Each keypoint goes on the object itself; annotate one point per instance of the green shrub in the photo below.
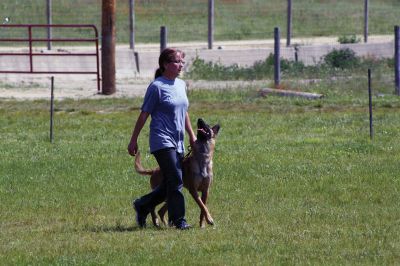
(342, 58)
(259, 70)
(349, 39)
(342, 62)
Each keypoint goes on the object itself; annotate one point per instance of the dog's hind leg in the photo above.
(161, 213)
(203, 207)
(154, 218)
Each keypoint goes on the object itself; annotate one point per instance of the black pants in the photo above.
(170, 162)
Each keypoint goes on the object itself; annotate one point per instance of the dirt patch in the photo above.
(78, 87)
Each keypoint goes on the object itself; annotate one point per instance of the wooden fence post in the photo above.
(163, 38)
(289, 23)
(132, 24)
(49, 22)
(210, 23)
(366, 11)
(277, 52)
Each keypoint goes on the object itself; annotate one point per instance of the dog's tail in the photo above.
(139, 168)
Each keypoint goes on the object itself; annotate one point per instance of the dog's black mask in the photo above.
(204, 132)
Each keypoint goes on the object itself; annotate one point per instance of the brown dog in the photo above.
(197, 172)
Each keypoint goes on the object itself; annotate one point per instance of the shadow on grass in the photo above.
(117, 228)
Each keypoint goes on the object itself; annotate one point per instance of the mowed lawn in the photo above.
(296, 182)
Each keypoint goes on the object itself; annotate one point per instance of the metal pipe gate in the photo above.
(31, 54)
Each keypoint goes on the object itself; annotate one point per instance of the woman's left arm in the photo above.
(189, 130)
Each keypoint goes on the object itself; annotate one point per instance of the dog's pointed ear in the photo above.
(201, 123)
(215, 129)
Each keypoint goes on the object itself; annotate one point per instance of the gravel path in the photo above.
(33, 88)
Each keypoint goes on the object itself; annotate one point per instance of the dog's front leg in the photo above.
(161, 213)
(203, 208)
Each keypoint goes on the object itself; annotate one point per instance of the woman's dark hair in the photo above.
(166, 56)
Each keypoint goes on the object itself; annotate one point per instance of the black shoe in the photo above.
(183, 226)
(140, 215)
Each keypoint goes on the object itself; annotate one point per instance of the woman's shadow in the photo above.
(118, 228)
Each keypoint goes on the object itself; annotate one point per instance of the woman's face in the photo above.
(174, 67)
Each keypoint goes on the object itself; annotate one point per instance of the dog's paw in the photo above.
(210, 220)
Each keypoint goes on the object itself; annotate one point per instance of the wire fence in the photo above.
(234, 19)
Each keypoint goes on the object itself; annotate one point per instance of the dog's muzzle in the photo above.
(204, 132)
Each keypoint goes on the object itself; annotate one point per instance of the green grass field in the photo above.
(234, 19)
(296, 182)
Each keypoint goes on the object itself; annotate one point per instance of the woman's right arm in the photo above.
(133, 146)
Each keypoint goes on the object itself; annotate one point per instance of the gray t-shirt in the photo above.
(167, 103)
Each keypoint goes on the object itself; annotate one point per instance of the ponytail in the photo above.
(158, 73)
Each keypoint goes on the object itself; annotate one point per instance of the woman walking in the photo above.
(167, 104)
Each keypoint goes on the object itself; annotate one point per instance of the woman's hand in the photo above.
(189, 130)
(192, 140)
(132, 147)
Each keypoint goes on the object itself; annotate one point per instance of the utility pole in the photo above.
(108, 46)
